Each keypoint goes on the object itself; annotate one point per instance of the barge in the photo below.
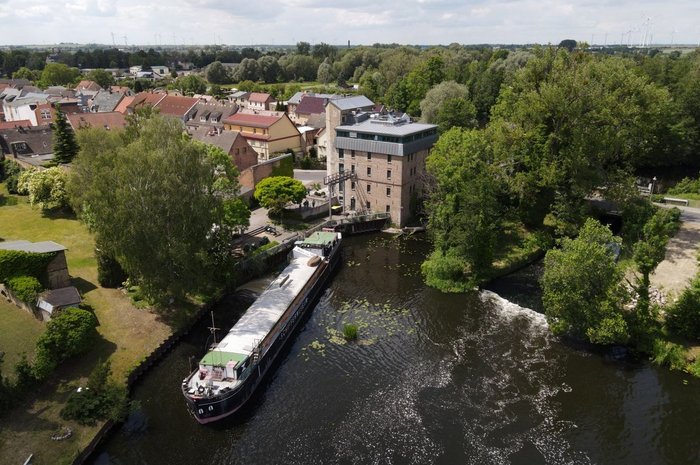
(229, 373)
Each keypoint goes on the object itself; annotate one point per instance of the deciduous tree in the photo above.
(277, 191)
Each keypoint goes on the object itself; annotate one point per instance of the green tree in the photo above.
(247, 70)
(64, 145)
(269, 68)
(58, 74)
(67, 334)
(190, 84)
(47, 188)
(277, 191)
(581, 287)
(324, 74)
(103, 78)
(25, 73)
(447, 104)
(464, 210)
(303, 48)
(155, 214)
(217, 73)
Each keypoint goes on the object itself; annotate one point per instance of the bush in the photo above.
(26, 288)
(686, 186)
(683, 317)
(69, 333)
(109, 271)
(350, 332)
(669, 354)
(102, 399)
(9, 172)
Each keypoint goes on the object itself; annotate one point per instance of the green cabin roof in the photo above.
(221, 358)
(321, 238)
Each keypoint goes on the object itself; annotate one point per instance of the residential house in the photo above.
(176, 106)
(134, 70)
(309, 107)
(22, 107)
(296, 99)
(260, 101)
(211, 114)
(387, 153)
(106, 120)
(161, 70)
(231, 142)
(88, 85)
(240, 98)
(268, 133)
(105, 101)
(140, 100)
(30, 145)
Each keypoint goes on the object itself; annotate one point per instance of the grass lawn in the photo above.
(127, 334)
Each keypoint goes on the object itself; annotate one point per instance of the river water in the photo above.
(433, 379)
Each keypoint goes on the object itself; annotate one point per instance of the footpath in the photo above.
(680, 265)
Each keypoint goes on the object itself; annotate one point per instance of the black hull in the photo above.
(210, 409)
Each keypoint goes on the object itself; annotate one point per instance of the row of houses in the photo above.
(385, 152)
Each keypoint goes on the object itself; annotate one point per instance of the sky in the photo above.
(278, 22)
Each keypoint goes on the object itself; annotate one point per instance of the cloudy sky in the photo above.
(336, 22)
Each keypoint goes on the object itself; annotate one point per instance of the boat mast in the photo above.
(213, 330)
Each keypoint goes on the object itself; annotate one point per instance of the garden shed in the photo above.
(57, 299)
(56, 270)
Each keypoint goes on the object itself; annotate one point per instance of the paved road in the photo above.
(680, 264)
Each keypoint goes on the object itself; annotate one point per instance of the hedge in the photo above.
(15, 263)
(26, 288)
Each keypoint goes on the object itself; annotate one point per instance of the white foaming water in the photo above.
(510, 310)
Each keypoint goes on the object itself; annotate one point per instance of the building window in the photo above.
(352, 185)
(341, 153)
(369, 155)
(388, 158)
(388, 208)
(352, 153)
(368, 205)
(369, 188)
(238, 151)
(341, 167)
(255, 131)
(45, 114)
(352, 168)
(369, 171)
(388, 174)
(245, 149)
(388, 191)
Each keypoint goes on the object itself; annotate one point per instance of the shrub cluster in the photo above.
(109, 272)
(102, 399)
(9, 172)
(683, 317)
(26, 288)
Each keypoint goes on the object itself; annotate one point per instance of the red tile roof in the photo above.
(87, 84)
(108, 120)
(172, 105)
(259, 97)
(123, 106)
(145, 98)
(248, 119)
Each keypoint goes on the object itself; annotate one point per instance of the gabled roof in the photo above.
(106, 101)
(222, 110)
(63, 297)
(123, 106)
(312, 105)
(35, 140)
(223, 140)
(352, 103)
(240, 94)
(299, 96)
(145, 98)
(260, 97)
(173, 105)
(87, 84)
(107, 120)
(253, 120)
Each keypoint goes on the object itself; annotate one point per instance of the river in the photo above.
(433, 379)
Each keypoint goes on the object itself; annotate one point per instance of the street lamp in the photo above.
(653, 184)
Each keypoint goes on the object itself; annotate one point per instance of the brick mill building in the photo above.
(387, 152)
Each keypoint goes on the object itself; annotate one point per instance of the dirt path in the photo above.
(680, 264)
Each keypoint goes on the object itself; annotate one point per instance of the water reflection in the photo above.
(435, 378)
